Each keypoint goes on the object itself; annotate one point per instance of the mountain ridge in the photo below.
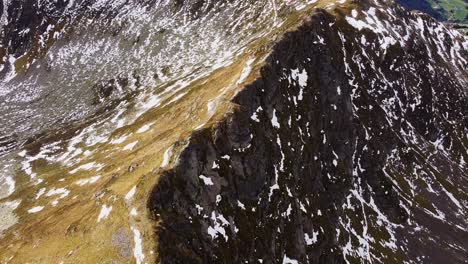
(208, 227)
(227, 156)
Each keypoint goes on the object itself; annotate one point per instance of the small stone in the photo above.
(132, 167)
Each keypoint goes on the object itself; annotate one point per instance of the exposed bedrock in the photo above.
(314, 157)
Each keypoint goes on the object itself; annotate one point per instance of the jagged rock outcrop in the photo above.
(236, 131)
(348, 147)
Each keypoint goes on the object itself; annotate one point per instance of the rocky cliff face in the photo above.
(237, 131)
(349, 147)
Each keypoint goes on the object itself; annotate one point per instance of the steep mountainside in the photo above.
(351, 145)
(231, 132)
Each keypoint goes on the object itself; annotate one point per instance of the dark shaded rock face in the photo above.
(27, 20)
(349, 147)
(271, 177)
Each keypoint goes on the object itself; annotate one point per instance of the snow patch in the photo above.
(130, 194)
(287, 260)
(87, 166)
(138, 249)
(144, 128)
(166, 157)
(119, 140)
(88, 180)
(245, 72)
(35, 209)
(311, 240)
(60, 191)
(131, 145)
(274, 120)
(105, 211)
(206, 180)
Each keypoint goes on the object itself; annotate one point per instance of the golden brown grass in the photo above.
(69, 232)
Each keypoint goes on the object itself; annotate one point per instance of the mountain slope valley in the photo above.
(239, 131)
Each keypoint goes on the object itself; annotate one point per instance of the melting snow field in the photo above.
(138, 249)
(7, 216)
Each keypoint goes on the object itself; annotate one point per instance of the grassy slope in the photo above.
(69, 231)
(453, 10)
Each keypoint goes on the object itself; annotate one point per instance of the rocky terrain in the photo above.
(272, 131)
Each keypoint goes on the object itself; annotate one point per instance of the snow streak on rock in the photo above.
(349, 147)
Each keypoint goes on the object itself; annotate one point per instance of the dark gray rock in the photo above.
(333, 167)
